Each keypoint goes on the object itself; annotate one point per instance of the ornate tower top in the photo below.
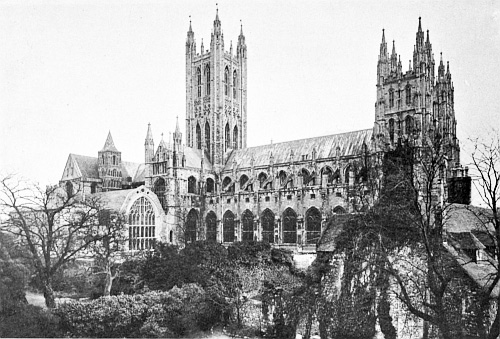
(109, 145)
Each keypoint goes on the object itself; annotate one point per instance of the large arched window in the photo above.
(211, 224)
(228, 227)
(190, 227)
(159, 189)
(192, 185)
(228, 136)
(235, 84)
(391, 130)
(247, 226)
(313, 225)
(326, 171)
(226, 81)
(289, 226)
(306, 177)
(207, 80)
(210, 185)
(198, 81)
(282, 177)
(267, 222)
(207, 137)
(235, 137)
(141, 225)
(198, 136)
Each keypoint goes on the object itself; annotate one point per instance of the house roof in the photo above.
(88, 165)
(467, 240)
(348, 144)
(194, 156)
(465, 218)
(114, 199)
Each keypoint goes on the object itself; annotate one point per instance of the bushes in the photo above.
(177, 312)
(28, 321)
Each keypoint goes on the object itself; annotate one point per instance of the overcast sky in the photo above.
(73, 70)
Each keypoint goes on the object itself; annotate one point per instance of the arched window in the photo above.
(207, 80)
(226, 81)
(247, 226)
(282, 177)
(306, 177)
(102, 158)
(408, 94)
(198, 136)
(190, 227)
(313, 225)
(227, 185)
(391, 130)
(159, 189)
(198, 81)
(207, 137)
(228, 137)
(289, 226)
(267, 222)
(243, 181)
(93, 188)
(141, 221)
(391, 98)
(347, 175)
(262, 179)
(69, 188)
(228, 227)
(235, 84)
(192, 185)
(211, 224)
(210, 185)
(339, 210)
(235, 137)
(409, 125)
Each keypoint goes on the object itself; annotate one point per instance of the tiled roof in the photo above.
(466, 240)
(348, 144)
(465, 218)
(87, 165)
(114, 199)
(193, 158)
(334, 227)
(109, 145)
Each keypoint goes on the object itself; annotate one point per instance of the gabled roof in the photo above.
(194, 156)
(114, 200)
(88, 166)
(348, 144)
(465, 218)
(467, 241)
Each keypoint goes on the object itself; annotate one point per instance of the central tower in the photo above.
(216, 95)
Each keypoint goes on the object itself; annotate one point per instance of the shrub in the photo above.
(177, 312)
(29, 321)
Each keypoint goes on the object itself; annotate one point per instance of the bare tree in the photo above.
(52, 223)
(486, 172)
(108, 246)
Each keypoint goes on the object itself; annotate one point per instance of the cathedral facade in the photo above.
(211, 186)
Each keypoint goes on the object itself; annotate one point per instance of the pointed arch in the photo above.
(198, 136)
(228, 227)
(262, 179)
(207, 137)
(191, 226)
(227, 136)
(391, 130)
(69, 188)
(211, 225)
(226, 81)
(247, 226)
(409, 125)
(141, 225)
(347, 176)
(339, 210)
(282, 177)
(159, 189)
(228, 185)
(267, 222)
(289, 226)
(313, 225)
(207, 79)
(235, 84)
(198, 81)
(210, 185)
(235, 137)
(307, 179)
(192, 185)
(243, 181)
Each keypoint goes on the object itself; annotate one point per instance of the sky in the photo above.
(70, 71)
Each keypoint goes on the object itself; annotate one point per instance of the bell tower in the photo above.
(216, 95)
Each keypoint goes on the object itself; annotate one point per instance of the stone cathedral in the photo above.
(208, 185)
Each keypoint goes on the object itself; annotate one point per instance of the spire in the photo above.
(428, 40)
(162, 143)
(190, 37)
(441, 67)
(241, 28)
(217, 12)
(383, 47)
(217, 28)
(190, 28)
(393, 48)
(420, 24)
(177, 130)
(149, 134)
(109, 145)
(383, 35)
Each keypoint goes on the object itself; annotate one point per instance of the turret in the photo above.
(177, 137)
(149, 146)
(109, 165)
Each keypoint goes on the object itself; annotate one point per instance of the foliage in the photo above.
(29, 321)
(177, 312)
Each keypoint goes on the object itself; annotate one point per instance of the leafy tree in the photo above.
(52, 224)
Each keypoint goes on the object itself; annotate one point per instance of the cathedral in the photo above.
(208, 185)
